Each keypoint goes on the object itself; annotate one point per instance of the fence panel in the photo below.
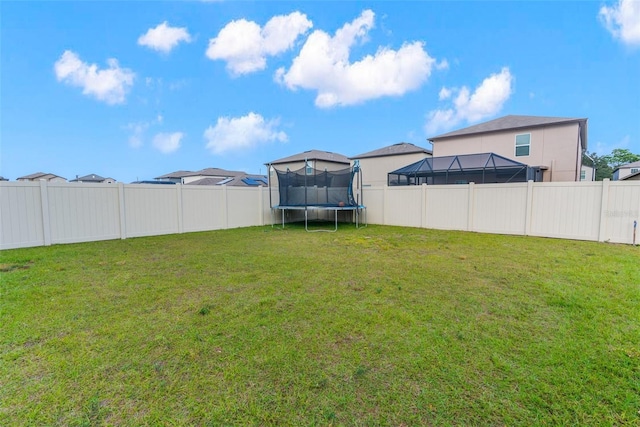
(21, 223)
(203, 208)
(622, 208)
(83, 213)
(151, 209)
(569, 210)
(499, 208)
(447, 207)
(403, 206)
(243, 207)
(373, 199)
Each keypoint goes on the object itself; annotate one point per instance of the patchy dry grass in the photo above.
(377, 326)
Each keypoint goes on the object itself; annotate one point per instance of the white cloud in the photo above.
(136, 139)
(245, 46)
(323, 65)
(623, 20)
(445, 93)
(442, 65)
(109, 85)
(138, 129)
(486, 101)
(167, 142)
(238, 133)
(164, 38)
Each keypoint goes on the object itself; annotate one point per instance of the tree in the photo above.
(605, 164)
(621, 156)
(600, 163)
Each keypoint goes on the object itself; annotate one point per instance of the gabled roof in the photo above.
(40, 175)
(90, 178)
(326, 156)
(242, 180)
(393, 150)
(176, 174)
(202, 172)
(631, 177)
(629, 165)
(513, 122)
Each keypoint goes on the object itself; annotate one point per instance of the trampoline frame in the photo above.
(335, 209)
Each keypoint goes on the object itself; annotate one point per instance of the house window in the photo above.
(635, 170)
(309, 167)
(583, 175)
(523, 143)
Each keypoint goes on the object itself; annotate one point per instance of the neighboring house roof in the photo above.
(40, 175)
(91, 178)
(393, 150)
(243, 180)
(629, 165)
(176, 174)
(632, 177)
(2, 178)
(154, 182)
(203, 172)
(515, 122)
(326, 156)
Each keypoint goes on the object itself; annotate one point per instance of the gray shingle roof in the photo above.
(202, 172)
(39, 175)
(511, 122)
(242, 180)
(393, 150)
(326, 156)
(630, 165)
(89, 178)
(630, 177)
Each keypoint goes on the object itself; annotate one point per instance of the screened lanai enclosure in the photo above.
(317, 194)
(481, 168)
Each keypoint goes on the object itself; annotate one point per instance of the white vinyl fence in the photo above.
(599, 211)
(42, 213)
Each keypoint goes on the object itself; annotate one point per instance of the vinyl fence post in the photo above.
(470, 207)
(123, 215)
(46, 219)
(261, 205)
(604, 204)
(179, 201)
(529, 209)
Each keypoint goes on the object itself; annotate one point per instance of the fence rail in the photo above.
(42, 213)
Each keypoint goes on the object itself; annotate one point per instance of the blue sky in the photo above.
(134, 90)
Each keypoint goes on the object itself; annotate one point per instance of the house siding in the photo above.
(375, 169)
(557, 147)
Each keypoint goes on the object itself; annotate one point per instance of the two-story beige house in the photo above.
(552, 146)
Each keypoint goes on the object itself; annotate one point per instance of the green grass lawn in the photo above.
(377, 326)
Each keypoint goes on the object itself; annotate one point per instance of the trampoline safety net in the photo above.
(314, 187)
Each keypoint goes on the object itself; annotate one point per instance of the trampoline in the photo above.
(309, 189)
